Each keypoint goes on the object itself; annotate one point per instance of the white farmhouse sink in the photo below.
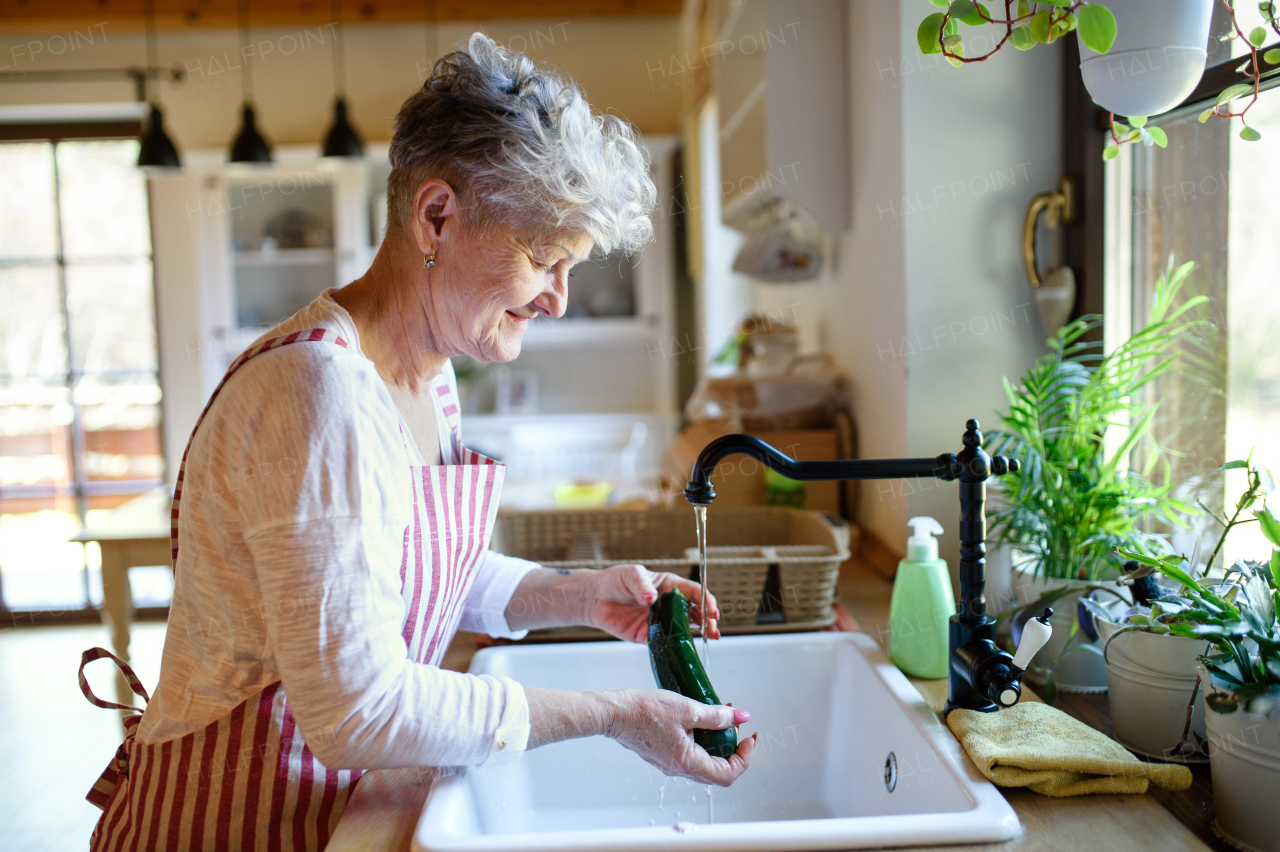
(831, 711)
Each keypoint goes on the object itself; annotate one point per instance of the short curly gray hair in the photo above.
(520, 145)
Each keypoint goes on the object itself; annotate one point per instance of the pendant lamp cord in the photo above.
(428, 18)
(246, 75)
(153, 62)
(339, 59)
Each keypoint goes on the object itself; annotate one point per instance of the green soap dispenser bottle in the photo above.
(922, 605)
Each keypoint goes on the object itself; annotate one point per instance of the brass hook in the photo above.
(1059, 206)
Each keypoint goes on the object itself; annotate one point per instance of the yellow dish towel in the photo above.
(1033, 745)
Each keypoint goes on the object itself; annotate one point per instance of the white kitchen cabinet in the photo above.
(780, 86)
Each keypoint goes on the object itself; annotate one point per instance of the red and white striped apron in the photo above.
(248, 781)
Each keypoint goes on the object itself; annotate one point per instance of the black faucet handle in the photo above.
(1000, 465)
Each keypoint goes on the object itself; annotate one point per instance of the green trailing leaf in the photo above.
(1097, 27)
(950, 42)
(1272, 56)
(958, 50)
(1257, 36)
(1111, 152)
(1040, 25)
(1231, 93)
(1275, 567)
(961, 8)
(1024, 9)
(1119, 128)
(927, 36)
(1235, 465)
(1021, 39)
(1204, 116)
(1055, 2)
(941, 4)
(1250, 134)
(1159, 136)
(1138, 120)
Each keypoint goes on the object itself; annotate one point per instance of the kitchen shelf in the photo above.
(284, 257)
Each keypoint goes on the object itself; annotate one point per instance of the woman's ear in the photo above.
(435, 212)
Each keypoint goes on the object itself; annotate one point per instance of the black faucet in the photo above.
(983, 677)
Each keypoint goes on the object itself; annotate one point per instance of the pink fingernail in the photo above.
(740, 716)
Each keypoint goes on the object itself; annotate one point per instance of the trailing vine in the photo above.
(1027, 24)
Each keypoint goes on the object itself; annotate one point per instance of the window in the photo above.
(1207, 198)
(79, 389)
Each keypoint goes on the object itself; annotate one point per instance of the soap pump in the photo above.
(922, 605)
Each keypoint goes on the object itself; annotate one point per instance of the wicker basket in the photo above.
(742, 544)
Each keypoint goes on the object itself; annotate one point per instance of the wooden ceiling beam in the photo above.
(17, 16)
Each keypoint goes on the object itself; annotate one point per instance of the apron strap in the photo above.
(314, 335)
(136, 685)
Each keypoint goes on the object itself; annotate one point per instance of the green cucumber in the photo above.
(676, 665)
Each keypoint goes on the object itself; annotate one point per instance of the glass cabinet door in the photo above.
(282, 238)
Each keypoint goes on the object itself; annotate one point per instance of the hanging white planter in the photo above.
(1244, 757)
(1157, 59)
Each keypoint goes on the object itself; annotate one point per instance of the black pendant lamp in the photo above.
(156, 149)
(249, 145)
(342, 140)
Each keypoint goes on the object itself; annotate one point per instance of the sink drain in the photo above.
(890, 772)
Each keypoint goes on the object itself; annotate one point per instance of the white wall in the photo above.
(930, 307)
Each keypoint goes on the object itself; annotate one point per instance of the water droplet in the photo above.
(684, 827)
(693, 799)
(650, 822)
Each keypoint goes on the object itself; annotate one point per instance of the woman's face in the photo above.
(487, 286)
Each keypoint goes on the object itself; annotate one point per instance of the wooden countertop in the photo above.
(385, 807)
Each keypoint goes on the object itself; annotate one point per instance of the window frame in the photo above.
(81, 488)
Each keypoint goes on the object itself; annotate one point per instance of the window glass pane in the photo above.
(35, 439)
(112, 310)
(104, 200)
(603, 287)
(26, 201)
(42, 569)
(121, 429)
(1180, 211)
(1253, 397)
(32, 333)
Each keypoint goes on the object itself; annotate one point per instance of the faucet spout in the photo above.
(979, 669)
(700, 491)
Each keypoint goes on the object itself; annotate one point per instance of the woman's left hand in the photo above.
(619, 597)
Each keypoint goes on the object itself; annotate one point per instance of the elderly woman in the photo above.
(331, 530)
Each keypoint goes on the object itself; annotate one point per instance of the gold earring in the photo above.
(429, 261)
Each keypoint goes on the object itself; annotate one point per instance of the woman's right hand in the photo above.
(658, 725)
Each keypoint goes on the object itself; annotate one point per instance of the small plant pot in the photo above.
(1150, 679)
(1077, 671)
(1244, 757)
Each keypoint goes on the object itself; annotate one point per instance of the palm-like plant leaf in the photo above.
(1073, 501)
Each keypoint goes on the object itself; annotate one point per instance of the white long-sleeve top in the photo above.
(292, 525)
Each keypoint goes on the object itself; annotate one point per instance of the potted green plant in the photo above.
(1236, 614)
(1151, 664)
(1075, 501)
